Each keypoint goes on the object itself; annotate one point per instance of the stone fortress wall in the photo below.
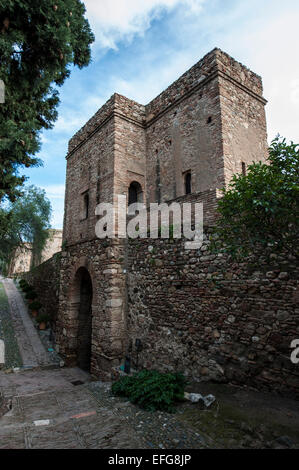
(211, 318)
(209, 122)
(193, 311)
(23, 260)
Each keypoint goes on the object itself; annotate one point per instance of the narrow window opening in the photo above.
(86, 205)
(188, 187)
(209, 120)
(244, 169)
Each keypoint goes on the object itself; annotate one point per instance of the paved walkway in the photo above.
(32, 351)
(51, 411)
(47, 408)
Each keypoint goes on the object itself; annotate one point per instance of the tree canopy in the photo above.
(261, 208)
(39, 42)
(26, 221)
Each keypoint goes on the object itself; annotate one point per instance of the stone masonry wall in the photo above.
(90, 170)
(45, 279)
(211, 318)
(24, 259)
(195, 312)
(103, 260)
(182, 139)
(244, 128)
(209, 122)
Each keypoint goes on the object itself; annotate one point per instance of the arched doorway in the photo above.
(84, 311)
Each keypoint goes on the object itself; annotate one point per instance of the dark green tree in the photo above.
(261, 209)
(39, 42)
(27, 222)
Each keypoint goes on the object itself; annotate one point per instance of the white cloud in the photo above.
(294, 85)
(271, 53)
(57, 218)
(115, 20)
(69, 122)
(260, 34)
(144, 86)
(54, 191)
(265, 42)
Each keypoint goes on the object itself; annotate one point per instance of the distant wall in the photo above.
(45, 279)
(53, 245)
(23, 259)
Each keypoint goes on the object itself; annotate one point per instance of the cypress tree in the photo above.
(39, 42)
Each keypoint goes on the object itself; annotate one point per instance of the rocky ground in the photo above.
(62, 408)
(239, 418)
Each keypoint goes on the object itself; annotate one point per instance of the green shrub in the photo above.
(152, 390)
(23, 283)
(35, 305)
(31, 295)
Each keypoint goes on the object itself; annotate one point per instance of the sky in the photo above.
(142, 46)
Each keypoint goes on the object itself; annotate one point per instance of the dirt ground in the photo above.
(244, 418)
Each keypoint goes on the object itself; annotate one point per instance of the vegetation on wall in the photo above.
(261, 209)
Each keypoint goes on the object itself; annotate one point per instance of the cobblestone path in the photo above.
(52, 410)
(43, 407)
(32, 351)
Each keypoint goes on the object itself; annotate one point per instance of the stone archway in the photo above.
(91, 320)
(82, 293)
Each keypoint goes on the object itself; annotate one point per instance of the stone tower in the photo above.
(184, 145)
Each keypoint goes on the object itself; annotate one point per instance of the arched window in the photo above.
(188, 188)
(135, 193)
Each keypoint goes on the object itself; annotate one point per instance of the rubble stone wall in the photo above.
(45, 279)
(103, 260)
(194, 311)
(213, 319)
